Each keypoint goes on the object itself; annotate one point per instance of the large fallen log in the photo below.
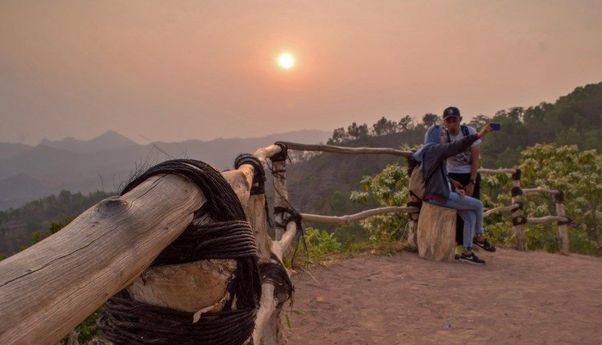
(49, 288)
(104, 250)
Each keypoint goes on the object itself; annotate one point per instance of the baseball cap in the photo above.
(451, 112)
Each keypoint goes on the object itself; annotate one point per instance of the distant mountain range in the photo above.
(107, 161)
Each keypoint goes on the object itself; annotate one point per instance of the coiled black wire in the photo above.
(127, 321)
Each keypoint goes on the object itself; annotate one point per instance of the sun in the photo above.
(286, 60)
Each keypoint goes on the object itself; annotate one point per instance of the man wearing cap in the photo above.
(463, 169)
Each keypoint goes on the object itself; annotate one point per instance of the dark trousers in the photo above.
(464, 179)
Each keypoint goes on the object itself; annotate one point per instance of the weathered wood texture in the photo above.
(499, 210)
(545, 219)
(283, 247)
(49, 288)
(190, 287)
(436, 233)
(346, 219)
(268, 324)
(540, 190)
(485, 171)
(563, 229)
(280, 196)
(518, 213)
(194, 286)
(257, 217)
(413, 217)
(347, 150)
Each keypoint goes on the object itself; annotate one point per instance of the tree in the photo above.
(387, 188)
(479, 121)
(430, 119)
(357, 132)
(576, 173)
(338, 136)
(384, 126)
(406, 123)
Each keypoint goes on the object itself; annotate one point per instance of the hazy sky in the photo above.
(176, 70)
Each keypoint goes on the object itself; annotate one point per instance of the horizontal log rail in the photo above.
(346, 150)
(315, 218)
(547, 219)
(499, 210)
(485, 171)
(540, 190)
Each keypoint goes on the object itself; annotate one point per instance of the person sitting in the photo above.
(438, 189)
(463, 168)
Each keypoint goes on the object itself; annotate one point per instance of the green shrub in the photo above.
(320, 243)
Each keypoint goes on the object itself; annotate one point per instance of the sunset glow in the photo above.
(286, 61)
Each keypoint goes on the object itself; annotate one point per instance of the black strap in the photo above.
(127, 321)
(275, 272)
(463, 129)
(258, 186)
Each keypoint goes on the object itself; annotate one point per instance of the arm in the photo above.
(475, 153)
(451, 149)
(444, 151)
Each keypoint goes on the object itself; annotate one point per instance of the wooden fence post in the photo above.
(280, 193)
(268, 326)
(518, 215)
(413, 201)
(563, 233)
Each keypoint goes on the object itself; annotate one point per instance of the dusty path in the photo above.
(518, 298)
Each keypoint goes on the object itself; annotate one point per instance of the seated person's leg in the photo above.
(468, 231)
(479, 238)
(463, 179)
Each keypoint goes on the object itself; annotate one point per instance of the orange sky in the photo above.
(177, 70)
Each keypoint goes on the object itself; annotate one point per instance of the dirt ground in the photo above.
(517, 298)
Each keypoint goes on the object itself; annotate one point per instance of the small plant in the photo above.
(387, 188)
(319, 243)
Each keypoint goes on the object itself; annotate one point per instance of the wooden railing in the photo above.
(49, 288)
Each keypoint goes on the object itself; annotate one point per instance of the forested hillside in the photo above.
(17, 226)
(323, 183)
(574, 119)
(103, 163)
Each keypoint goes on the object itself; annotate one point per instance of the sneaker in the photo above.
(471, 258)
(485, 245)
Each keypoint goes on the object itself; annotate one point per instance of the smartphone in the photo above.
(495, 126)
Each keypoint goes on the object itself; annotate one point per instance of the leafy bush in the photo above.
(320, 243)
(387, 188)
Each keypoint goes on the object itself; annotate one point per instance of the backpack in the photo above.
(465, 133)
(464, 130)
(417, 185)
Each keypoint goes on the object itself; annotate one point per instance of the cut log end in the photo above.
(436, 238)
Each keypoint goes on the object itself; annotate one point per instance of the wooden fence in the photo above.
(51, 287)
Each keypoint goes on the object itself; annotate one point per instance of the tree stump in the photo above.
(436, 233)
